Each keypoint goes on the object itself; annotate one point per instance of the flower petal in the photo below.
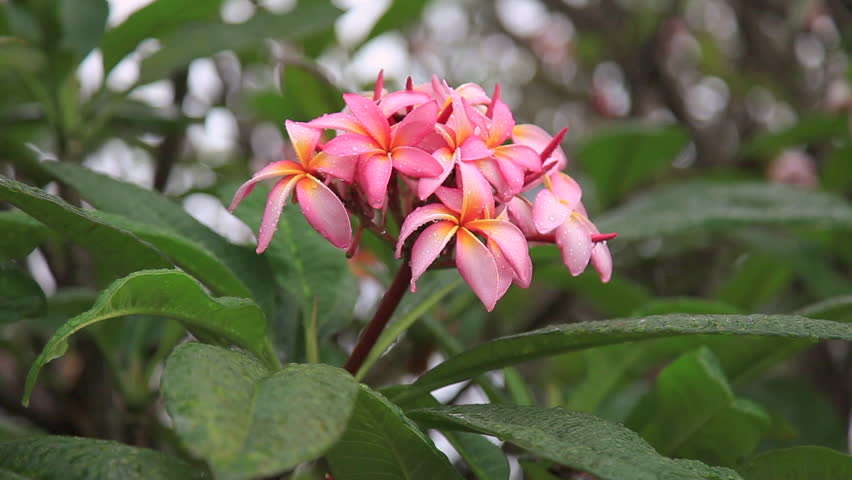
(473, 93)
(602, 261)
(339, 121)
(274, 204)
(489, 169)
(535, 137)
(474, 148)
(428, 246)
(478, 201)
(374, 172)
(504, 270)
(351, 144)
(451, 197)
(324, 211)
(548, 211)
(477, 268)
(415, 126)
(396, 101)
(338, 167)
(283, 168)
(512, 174)
(427, 186)
(521, 214)
(520, 154)
(373, 120)
(415, 162)
(304, 139)
(565, 188)
(575, 243)
(427, 213)
(512, 245)
(502, 123)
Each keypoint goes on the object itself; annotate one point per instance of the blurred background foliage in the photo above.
(701, 130)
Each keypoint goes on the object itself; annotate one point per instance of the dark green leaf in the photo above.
(381, 442)
(83, 23)
(705, 206)
(202, 39)
(250, 422)
(71, 458)
(756, 281)
(815, 128)
(579, 440)
(693, 413)
(20, 234)
(20, 296)
(624, 157)
(170, 294)
(399, 14)
(124, 252)
(311, 95)
(800, 463)
(513, 349)
(145, 206)
(187, 254)
(837, 170)
(155, 20)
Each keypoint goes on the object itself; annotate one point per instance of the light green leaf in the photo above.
(399, 14)
(799, 463)
(171, 294)
(579, 440)
(20, 234)
(145, 206)
(122, 251)
(693, 413)
(380, 442)
(757, 280)
(83, 23)
(155, 20)
(624, 157)
(20, 296)
(513, 349)
(703, 206)
(249, 422)
(203, 39)
(814, 128)
(72, 458)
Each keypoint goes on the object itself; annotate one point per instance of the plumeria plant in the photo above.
(437, 162)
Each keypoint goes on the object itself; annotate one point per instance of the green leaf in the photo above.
(20, 296)
(203, 39)
(171, 294)
(381, 442)
(579, 440)
(20, 234)
(702, 206)
(310, 94)
(513, 349)
(249, 422)
(155, 20)
(799, 463)
(626, 156)
(83, 23)
(145, 206)
(399, 14)
(187, 254)
(757, 280)
(72, 458)
(122, 251)
(693, 413)
(815, 128)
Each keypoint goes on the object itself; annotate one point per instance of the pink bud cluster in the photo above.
(450, 167)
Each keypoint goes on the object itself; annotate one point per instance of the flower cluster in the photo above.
(439, 163)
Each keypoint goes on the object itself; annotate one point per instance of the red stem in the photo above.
(381, 318)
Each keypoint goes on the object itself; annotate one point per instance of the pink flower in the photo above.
(380, 147)
(321, 207)
(557, 208)
(488, 268)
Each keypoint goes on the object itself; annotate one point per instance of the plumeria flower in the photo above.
(381, 147)
(557, 208)
(321, 207)
(551, 154)
(489, 268)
